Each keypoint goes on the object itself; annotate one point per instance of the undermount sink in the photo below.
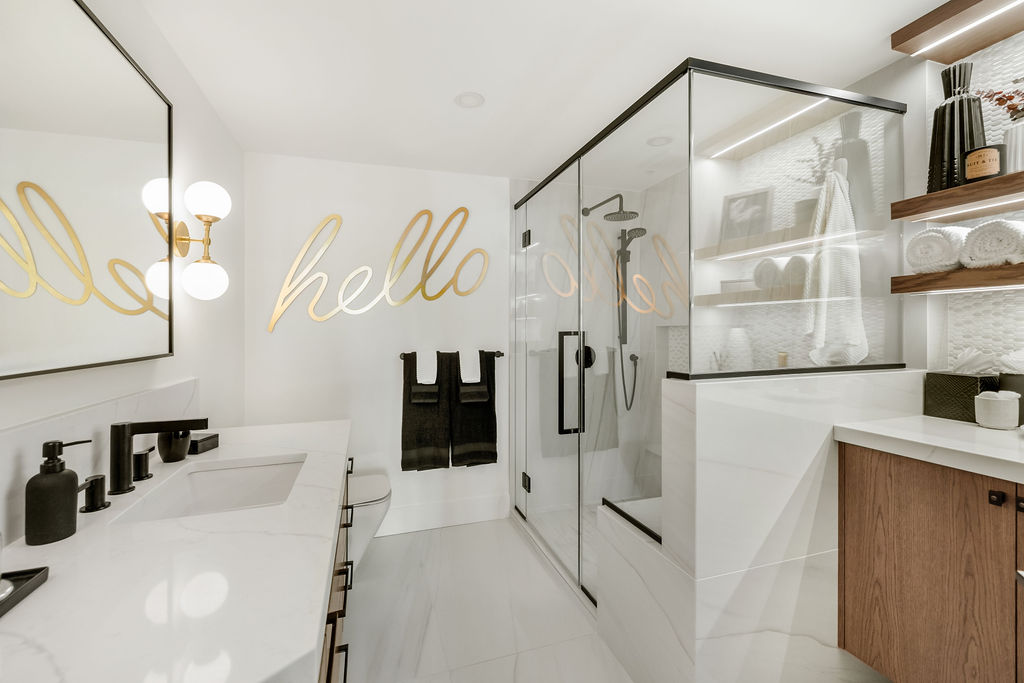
(205, 488)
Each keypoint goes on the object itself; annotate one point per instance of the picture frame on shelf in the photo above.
(746, 214)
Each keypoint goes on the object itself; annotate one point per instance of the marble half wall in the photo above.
(749, 558)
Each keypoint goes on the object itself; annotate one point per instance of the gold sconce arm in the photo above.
(183, 239)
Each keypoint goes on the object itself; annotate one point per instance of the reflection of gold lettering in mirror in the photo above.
(77, 266)
(601, 256)
(298, 280)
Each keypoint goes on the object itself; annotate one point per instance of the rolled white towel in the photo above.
(993, 244)
(936, 249)
(795, 272)
(768, 272)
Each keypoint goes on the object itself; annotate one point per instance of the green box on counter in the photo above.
(950, 395)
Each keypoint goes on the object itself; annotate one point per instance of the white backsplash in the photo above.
(21, 446)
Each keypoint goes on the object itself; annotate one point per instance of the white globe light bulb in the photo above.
(204, 280)
(207, 199)
(158, 278)
(156, 196)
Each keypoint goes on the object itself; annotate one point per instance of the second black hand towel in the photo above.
(426, 416)
(474, 423)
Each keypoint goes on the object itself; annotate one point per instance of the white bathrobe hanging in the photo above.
(835, 323)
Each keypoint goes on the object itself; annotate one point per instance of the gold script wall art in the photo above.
(78, 265)
(300, 276)
(599, 269)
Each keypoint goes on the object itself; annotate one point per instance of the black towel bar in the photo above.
(497, 354)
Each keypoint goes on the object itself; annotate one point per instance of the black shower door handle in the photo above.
(581, 383)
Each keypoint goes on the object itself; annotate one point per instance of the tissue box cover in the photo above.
(1009, 381)
(951, 395)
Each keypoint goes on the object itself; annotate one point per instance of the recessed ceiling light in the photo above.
(469, 99)
(659, 141)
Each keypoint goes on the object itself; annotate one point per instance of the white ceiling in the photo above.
(374, 81)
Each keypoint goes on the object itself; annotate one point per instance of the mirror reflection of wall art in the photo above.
(746, 214)
(82, 129)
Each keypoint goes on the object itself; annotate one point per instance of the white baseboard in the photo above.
(442, 513)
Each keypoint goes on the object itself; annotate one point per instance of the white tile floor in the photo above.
(469, 604)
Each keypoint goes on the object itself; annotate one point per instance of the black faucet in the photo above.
(121, 434)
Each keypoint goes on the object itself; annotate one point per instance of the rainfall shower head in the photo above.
(616, 216)
(621, 215)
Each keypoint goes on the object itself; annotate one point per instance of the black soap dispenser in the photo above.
(51, 498)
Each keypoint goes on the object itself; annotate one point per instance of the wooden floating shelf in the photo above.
(766, 244)
(955, 15)
(977, 200)
(965, 278)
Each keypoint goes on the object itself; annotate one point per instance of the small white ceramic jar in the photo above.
(997, 409)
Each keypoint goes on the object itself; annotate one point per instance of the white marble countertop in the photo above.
(237, 596)
(961, 445)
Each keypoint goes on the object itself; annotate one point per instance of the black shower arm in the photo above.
(586, 211)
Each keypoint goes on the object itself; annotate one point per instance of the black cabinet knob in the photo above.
(996, 498)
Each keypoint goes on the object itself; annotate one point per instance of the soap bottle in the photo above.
(51, 498)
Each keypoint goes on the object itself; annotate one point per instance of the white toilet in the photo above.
(370, 497)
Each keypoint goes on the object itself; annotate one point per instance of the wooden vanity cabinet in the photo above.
(927, 570)
(334, 657)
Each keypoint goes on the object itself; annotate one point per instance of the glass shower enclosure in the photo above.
(730, 223)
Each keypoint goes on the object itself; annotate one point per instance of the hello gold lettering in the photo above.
(300, 277)
(78, 266)
(600, 257)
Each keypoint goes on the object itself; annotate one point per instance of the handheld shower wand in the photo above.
(621, 278)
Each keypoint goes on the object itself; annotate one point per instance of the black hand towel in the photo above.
(426, 416)
(474, 424)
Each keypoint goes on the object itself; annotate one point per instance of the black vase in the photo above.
(957, 128)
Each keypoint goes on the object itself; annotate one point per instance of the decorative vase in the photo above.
(957, 127)
(1013, 138)
(739, 354)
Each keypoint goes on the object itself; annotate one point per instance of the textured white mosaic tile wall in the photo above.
(992, 322)
(994, 69)
(784, 166)
(778, 328)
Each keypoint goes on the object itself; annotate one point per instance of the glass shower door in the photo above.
(548, 341)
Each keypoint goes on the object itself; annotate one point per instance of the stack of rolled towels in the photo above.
(993, 243)
(782, 271)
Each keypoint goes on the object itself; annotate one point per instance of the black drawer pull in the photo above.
(348, 571)
(996, 498)
(349, 510)
(351, 464)
(343, 649)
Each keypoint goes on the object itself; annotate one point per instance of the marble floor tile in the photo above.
(582, 660)
(467, 603)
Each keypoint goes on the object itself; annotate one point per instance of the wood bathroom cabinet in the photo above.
(928, 557)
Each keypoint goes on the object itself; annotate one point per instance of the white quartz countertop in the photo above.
(238, 596)
(952, 443)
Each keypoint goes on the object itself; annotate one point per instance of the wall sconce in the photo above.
(204, 279)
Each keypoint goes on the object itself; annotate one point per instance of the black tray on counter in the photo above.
(25, 581)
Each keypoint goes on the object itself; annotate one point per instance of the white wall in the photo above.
(348, 366)
(208, 335)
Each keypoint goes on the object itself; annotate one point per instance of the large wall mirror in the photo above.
(82, 130)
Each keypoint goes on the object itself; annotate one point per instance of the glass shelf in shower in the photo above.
(777, 243)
